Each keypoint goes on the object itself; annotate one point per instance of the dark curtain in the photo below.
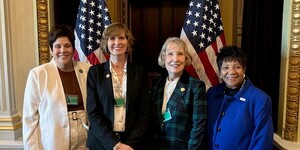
(261, 40)
(65, 12)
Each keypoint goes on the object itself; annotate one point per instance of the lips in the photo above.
(63, 56)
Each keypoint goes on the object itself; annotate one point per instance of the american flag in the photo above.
(92, 18)
(203, 33)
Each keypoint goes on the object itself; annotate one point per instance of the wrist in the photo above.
(116, 147)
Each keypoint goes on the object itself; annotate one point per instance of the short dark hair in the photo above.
(61, 31)
(231, 53)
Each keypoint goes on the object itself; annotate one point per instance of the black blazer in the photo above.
(100, 107)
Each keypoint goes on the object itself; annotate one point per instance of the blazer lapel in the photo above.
(160, 87)
(178, 92)
(130, 79)
(108, 81)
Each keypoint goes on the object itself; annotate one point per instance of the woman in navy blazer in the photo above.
(117, 103)
(179, 110)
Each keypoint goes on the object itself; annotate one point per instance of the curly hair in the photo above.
(231, 53)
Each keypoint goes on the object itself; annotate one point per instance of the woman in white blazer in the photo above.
(54, 115)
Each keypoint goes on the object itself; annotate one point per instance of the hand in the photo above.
(121, 146)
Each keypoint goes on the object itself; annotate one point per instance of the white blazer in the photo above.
(45, 114)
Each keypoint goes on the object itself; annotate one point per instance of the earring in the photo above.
(221, 77)
(244, 75)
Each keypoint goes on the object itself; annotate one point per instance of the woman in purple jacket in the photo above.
(239, 114)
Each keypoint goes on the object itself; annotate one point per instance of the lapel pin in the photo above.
(242, 99)
(182, 89)
(107, 75)
(80, 70)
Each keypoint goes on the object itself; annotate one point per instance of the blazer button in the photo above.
(219, 129)
(216, 146)
(223, 114)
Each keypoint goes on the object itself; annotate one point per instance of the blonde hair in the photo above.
(179, 42)
(115, 29)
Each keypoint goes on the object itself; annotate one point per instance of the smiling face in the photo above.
(62, 52)
(117, 45)
(175, 60)
(232, 73)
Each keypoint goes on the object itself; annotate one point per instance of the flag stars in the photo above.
(91, 17)
(197, 14)
(82, 18)
(90, 38)
(198, 5)
(90, 47)
(203, 26)
(215, 15)
(92, 12)
(98, 24)
(210, 29)
(217, 7)
(92, 4)
(195, 24)
(202, 36)
(83, 9)
(100, 7)
(189, 13)
(209, 39)
(201, 45)
(221, 28)
(99, 15)
(106, 9)
(191, 4)
(206, 8)
(82, 36)
(215, 24)
(91, 29)
(194, 33)
(83, 27)
(188, 22)
(106, 18)
(91, 21)
(98, 41)
(98, 32)
(204, 17)
(211, 21)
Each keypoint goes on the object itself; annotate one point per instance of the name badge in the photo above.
(72, 100)
(120, 102)
(167, 115)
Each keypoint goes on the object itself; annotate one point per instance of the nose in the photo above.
(231, 70)
(117, 41)
(62, 49)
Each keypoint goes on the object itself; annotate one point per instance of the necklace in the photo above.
(116, 74)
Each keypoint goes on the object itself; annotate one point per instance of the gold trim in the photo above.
(42, 24)
(293, 82)
(12, 119)
(121, 11)
(13, 127)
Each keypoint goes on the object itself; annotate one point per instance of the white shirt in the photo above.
(119, 88)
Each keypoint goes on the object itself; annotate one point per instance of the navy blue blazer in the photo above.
(188, 107)
(100, 107)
